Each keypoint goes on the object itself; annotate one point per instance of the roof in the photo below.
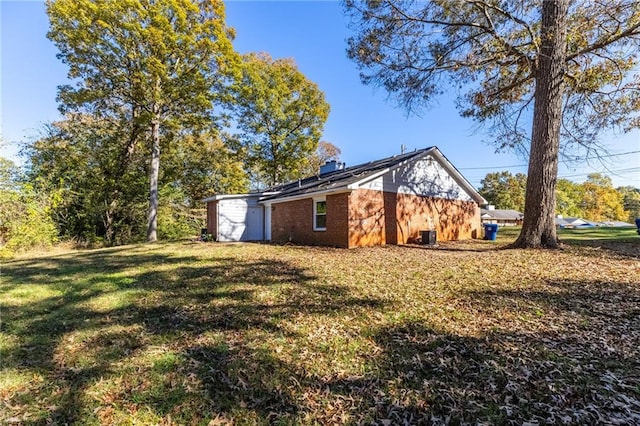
(501, 214)
(349, 178)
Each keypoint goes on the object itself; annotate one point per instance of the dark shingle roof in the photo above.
(339, 178)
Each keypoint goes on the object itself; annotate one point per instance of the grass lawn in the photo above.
(190, 333)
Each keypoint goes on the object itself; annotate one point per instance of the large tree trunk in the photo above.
(538, 228)
(152, 219)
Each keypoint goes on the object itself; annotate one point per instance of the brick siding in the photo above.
(367, 219)
(293, 221)
(451, 219)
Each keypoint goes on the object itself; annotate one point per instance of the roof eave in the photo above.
(338, 190)
(219, 197)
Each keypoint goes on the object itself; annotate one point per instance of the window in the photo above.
(319, 215)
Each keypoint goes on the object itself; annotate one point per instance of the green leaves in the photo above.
(504, 190)
(281, 114)
(490, 52)
(154, 63)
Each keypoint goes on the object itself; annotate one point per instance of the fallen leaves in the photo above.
(464, 333)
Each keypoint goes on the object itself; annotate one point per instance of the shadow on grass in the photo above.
(580, 367)
(73, 343)
(575, 365)
(572, 359)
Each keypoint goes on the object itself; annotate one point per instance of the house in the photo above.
(501, 217)
(389, 201)
(573, 222)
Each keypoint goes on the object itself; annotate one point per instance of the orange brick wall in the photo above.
(451, 219)
(212, 223)
(367, 218)
(293, 221)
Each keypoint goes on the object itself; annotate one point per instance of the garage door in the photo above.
(240, 220)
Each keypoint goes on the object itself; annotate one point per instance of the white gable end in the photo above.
(423, 177)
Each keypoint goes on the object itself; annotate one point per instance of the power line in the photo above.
(525, 165)
(616, 171)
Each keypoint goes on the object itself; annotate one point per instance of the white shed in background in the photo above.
(235, 218)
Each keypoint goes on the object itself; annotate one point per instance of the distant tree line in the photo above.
(595, 199)
(161, 112)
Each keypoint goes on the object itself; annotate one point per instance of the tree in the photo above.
(504, 190)
(152, 62)
(202, 164)
(601, 202)
(86, 165)
(281, 115)
(24, 218)
(564, 67)
(569, 198)
(326, 151)
(84, 162)
(9, 174)
(631, 202)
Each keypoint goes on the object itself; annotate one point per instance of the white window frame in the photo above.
(315, 213)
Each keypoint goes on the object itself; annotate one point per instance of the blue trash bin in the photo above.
(490, 231)
(638, 224)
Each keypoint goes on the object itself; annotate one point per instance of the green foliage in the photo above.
(504, 190)
(595, 199)
(154, 64)
(569, 198)
(281, 114)
(631, 202)
(203, 164)
(24, 214)
(98, 178)
(176, 220)
(9, 174)
(161, 58)
(601, 202)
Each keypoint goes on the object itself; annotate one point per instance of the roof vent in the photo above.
(331, 166)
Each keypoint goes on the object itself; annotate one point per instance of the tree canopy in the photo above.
(538, 71)
(504, 190)
(153, 63)
(595, 199)
(281, 115)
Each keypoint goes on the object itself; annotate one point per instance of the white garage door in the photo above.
(240, 220)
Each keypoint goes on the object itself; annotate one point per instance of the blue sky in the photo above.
(363, 123)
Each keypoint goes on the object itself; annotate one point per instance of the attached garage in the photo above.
(235, 218)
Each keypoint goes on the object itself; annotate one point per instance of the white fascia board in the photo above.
(226, 197)
(315, 194)
(236, 196)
